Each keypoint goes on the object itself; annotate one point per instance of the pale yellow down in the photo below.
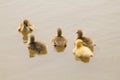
(81, 51)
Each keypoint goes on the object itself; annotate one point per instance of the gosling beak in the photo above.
(94, 44)
(91, 55)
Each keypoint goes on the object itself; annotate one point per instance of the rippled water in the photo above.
(98, 19)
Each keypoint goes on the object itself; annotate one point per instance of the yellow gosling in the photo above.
(25, 27)
(86, 40)
(81, 51)
(36, 47)
(59, 40)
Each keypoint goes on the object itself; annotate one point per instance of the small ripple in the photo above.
(5, 3)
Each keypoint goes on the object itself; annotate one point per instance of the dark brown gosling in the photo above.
(86, 40)
(37, 47)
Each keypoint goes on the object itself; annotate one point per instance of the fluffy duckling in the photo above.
(59, 40)
(81, 51)
(25, 27)
(36, 47)
(87, 41)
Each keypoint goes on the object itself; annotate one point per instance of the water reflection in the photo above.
(36, 47)
(83, 59)
(32, 53)
(24, 37)
(60, 49)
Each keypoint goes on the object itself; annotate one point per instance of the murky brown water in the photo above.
(98, 19)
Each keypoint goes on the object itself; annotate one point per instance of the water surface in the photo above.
(98, 20)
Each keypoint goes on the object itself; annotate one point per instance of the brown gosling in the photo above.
(36, 46)
(59, 40)
(86, 40)
(81, 51)
(25, 27)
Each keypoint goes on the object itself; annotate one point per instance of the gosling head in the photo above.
(80, 33)
(78, 43)
(59, 32)
(32, 39)
(26, 22)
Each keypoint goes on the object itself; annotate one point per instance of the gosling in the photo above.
(86, 40)
(25, 27)
(81, 51)
(59, 40)
(36, 46)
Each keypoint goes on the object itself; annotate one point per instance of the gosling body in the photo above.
(25, 27)
(59, 40)
(81, 51)
(86, 40)
(38, 47)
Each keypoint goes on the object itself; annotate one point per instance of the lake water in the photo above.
(99, 19)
